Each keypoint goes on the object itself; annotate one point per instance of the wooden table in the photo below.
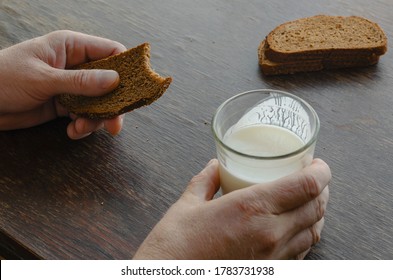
(99, 197)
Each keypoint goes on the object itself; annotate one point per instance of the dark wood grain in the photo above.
(99, 197)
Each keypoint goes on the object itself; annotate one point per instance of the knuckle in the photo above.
(320, 208)
(54, 34)
(315, 234)
(311, 186)
(196, 181)
(251, 205)
(56, 37)
(198, 178)
(270, 242)
(80, 79)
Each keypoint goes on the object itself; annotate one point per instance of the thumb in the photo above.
(86, 82)
(204, 185)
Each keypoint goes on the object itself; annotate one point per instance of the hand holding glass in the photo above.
(263, 135)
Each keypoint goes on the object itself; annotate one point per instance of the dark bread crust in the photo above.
(290, 67)
(321, 42)
(323, 36)
(139, 86)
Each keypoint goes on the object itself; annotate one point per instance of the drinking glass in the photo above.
(263, 135)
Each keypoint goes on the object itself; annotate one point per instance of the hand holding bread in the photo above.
(139, 85)
(96, 79)
(35, 72)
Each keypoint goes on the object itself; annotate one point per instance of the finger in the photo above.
(82, 48)
(80, 128)
(89, 48)
(305, 216)
(297, 189)
(304, 240)
(114, 126)
(204, 185)
(302, 255)
(84, 82)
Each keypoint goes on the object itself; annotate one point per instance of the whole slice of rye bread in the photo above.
(290, 67)
(139, 86)
(321, 36)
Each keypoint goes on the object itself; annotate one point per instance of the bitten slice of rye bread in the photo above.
(139, 86)
(290, 67)
(321, 36)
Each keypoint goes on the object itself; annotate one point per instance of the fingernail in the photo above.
(106, 78)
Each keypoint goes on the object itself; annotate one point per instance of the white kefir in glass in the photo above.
(261, 141)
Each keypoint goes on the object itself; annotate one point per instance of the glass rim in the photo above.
(308, 144)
